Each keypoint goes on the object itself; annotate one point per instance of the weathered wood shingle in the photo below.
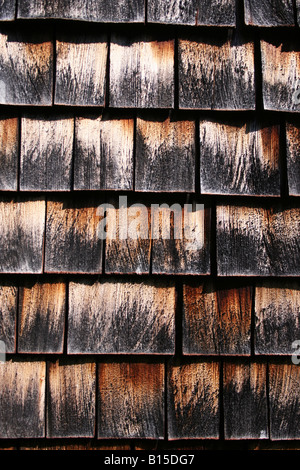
(293, 157)
(269, 12)
(8, 315)
(9, 153)
(7, 10)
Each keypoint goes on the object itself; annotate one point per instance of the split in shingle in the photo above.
(26, 68)
(8, 315)
(103, 154)
(165, 155)
(9, 153)
(239, 159)
(131, 400)
(269, 12)
(41, 322)
(22, 398)
(259, 241)
(81, 70)
(71, 404)
(46, 153)
(245, 401)
(8, 10)
(141, 72)
(280, 75)
(216, 319)
(22, 226)
(216, 73)
(193, 400)
(107, 317)
(293, 157)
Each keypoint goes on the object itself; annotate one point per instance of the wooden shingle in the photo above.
(22, 399)
(103, 157)
(269, 12)
(8, 315)
(216, 319)
(165, 156)
(26, 68)
(216, 73)
(8, 10)
(193, 400)
(81, 70)
(240, 159)
(245, 401)
(22, 226)
(46, 153)
(71, 407)
(121, 317)
(140, 411)
(9, 153)
(293, 157)
(141, 72)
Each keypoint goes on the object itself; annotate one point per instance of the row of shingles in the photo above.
(196, 12)
(259, 400)
(118, 316)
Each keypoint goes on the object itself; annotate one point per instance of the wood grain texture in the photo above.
(269, 12)
(165, 156)
(22, 225)
(7, 10)
(216, 73)
(192, 12)
(9, 153)
(131, 400)
(72, 242)
(26, 68)
(103, 156)
(293, 157)
(284, 384)
(121, 317)
(298, 11)
(71, 406)
(216, 319)
(128, 240)
(240, 159)
(141, 72)
(280, 74)
(81, 70)
(46, 153)
(245, 401)
(270, 234)
(22, 398)
(115, 11)
(193, 400)
(180, 239)
(41, 317)
(277, 313)
(8, 315)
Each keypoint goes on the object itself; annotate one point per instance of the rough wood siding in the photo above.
(216, 74)
(216, 319)
(103, 154)
(269, 12)
(8, 315)
(141, 385)
(241, 159)
(270, 234)
(193, 400)
(26, 68)
(277, 315)
(22, 399)
(46, 153)
(22, 224)
(42, 308)
(141, 72)
(121, 317)
(181, 239)
(284, 384)
(194, 13)
(293, 157)
(71, 399)
(7, 10)
(9, 153)
(115, 11)
(72, 242)
(245, 401)
(165, 156)
(81, 70)
(280, 75)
